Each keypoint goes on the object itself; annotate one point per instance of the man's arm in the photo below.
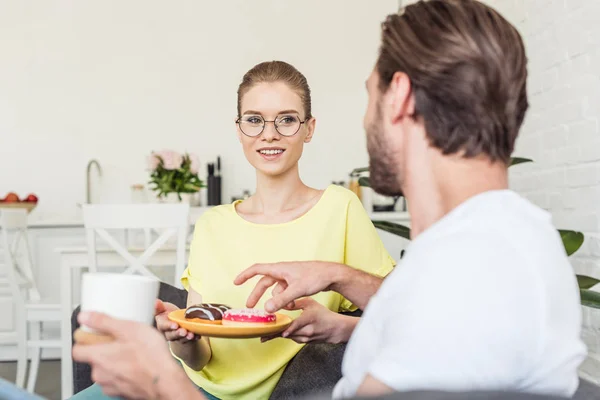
(294, 280)
(355, 285)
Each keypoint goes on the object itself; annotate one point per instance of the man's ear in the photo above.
(310, 127)
(399, 97)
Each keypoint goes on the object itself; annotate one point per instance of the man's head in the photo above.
(451, 77)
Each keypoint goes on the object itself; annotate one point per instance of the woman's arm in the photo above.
(318, 324)
(195, 353)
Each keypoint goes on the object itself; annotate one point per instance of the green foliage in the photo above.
(179, 180)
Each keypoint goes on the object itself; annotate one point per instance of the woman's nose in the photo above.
(270, 133)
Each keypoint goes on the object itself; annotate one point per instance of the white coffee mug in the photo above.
(128, 297)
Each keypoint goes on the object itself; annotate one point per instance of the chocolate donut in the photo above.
(206, 311)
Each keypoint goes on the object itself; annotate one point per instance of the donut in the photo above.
(209, 313)
(248, 317)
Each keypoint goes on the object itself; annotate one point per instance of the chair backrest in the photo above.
(171, 219)
(16, 252)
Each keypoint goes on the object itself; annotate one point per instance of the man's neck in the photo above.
(433, 193)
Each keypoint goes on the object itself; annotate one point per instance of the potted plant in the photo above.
(174, 176)
(571, 240)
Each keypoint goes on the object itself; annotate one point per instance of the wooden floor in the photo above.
(48, 382)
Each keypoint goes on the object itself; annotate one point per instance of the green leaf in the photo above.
(519, 160)
(589, 298)
(571, 240)
(359, 170)
(393, 228)
(364, 181)
(586, 282)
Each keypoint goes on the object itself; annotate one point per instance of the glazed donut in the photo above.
(209, 313)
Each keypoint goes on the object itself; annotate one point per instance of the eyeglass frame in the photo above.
(238, 122)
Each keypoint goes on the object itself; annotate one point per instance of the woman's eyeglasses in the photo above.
(254, 125)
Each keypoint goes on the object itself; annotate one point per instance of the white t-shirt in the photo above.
(485, 299)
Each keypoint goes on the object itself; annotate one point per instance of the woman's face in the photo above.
(273, 152)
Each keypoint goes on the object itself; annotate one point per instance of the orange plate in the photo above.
(231, 332)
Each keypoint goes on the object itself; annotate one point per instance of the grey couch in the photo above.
(317, 367)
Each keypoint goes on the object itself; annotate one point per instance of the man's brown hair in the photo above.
(467, 68)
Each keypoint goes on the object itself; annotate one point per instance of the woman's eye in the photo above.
(254, 120)
(288, 119)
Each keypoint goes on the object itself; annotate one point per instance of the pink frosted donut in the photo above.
(248, 317)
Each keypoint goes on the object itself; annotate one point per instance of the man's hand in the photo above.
(318, 324)
(293, 280)
(137, 364)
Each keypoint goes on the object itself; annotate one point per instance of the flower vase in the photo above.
(172, 198)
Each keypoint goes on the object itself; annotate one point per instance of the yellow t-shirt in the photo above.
(336, 229)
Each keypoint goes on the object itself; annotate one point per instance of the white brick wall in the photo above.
(562, 129)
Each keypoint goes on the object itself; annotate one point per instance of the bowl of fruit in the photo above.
(12, 200)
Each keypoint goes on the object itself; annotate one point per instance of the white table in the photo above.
(73, 261)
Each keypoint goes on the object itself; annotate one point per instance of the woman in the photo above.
(284, 220)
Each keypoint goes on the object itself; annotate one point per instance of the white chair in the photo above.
(30, 309)
(170, 219)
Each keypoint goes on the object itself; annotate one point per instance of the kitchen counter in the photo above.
(75, 219)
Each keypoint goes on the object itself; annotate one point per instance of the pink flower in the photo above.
(152, 162)
(171, 159)
(194, 163)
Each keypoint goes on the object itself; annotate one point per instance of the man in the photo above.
(484, 298)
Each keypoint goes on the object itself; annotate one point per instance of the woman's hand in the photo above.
(170, 329)
(317, 324)
(137, 364)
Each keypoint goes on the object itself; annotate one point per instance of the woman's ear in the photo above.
(237, 129)
(310, 129)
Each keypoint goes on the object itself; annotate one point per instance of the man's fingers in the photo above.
(261, 287)
(280, 287)
(105, 324)
(91, 353)
(300, 304)
(271, 270)
(289, 295)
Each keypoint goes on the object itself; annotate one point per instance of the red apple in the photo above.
(11, 198)
(32, 198)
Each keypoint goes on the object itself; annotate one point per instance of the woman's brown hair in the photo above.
(276, 71)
